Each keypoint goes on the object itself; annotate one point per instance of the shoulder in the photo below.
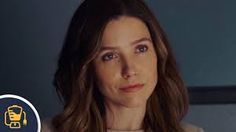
(190, 127)
(47, 126)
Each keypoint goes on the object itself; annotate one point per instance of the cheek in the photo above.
(149, 70)
(153, 68)
(148, 64)
(106, 77)
(153, 73)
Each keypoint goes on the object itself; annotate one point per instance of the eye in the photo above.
(109, 56)
(141, 48)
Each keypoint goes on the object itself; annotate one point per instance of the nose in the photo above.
(129, 69)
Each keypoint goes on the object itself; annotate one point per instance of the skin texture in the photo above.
(127, 57)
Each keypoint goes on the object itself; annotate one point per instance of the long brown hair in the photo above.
(75, 80)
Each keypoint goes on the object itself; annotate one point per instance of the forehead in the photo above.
(125, 29)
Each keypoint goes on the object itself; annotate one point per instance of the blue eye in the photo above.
(108, 56)
(141, 48)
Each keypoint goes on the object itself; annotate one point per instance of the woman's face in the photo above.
(126, 66)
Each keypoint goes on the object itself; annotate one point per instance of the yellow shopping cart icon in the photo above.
(13, 117)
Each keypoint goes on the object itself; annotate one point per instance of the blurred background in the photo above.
(202, 35)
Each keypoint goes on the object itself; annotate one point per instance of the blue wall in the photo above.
(202, 34)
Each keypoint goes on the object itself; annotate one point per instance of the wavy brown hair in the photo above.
(75, 79)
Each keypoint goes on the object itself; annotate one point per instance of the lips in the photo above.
(132, 88)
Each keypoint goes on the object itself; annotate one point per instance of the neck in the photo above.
(124, 118)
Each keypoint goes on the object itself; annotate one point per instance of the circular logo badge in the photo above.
(18, 115)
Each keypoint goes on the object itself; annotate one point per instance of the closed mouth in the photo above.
(132, 88)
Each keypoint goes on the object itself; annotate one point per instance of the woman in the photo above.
(116, 73)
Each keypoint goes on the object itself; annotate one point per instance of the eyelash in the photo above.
(141, 47)
(106, 57)
(111, 55)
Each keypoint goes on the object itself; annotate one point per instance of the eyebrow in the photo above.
(141, 40)
(133, 43)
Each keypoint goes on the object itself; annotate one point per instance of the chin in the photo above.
(134, 103)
